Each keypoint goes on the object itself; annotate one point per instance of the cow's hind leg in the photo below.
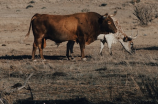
(41, 46)
(40, 43)
(34, 51)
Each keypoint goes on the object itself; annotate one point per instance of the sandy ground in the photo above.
(14, 23)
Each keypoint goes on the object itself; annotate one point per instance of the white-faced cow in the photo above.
(120, 36)
(80, 27)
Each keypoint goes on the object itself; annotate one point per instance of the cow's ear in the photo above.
(102, 18)
(105, 16)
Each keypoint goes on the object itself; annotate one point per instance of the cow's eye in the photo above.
(109, 22)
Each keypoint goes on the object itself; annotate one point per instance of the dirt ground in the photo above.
(120, 78)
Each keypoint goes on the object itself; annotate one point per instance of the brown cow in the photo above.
(80, 27)
(120, 36)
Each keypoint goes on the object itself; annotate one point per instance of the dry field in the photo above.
(117, 79)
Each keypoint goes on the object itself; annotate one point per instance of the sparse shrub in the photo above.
(43, 8)
(118, 8)
(103, 4)
(32, 2)
(156, 15)
(3, 44)
(29, 6)
(135, 1)
(85, 10)
(17, 10)
(145, 13)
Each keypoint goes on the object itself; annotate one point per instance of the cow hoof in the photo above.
(84, 59)
(34, 60)
(73, 59)
(43, 60)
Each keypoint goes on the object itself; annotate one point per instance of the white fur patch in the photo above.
(101, 37)
(111, 38)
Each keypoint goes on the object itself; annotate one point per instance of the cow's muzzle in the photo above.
(132, 51)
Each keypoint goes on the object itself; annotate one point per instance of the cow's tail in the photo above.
(27, 35)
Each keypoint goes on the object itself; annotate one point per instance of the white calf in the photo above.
(120, 36)
(109, 39)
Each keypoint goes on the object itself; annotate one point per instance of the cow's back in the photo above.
(55, 27)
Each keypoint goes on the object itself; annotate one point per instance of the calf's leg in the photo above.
(102, 42)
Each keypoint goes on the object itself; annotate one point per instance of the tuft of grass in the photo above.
(103, 5)
(43, 8)
(29, 6)
(4, 45)
(32, 2)
(85, 10)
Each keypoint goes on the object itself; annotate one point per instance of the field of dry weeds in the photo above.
(120, 78)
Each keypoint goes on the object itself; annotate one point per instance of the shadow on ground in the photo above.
(148, 48)
(22, 57)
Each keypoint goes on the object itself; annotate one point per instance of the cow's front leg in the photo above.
(67, 50)
(71, 49)
(82, 48)
(70, 45)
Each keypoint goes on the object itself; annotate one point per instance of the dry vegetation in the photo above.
(146, 13)
(121, 78)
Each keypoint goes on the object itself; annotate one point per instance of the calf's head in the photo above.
(127, 43)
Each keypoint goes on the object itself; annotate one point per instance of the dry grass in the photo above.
(121, 78)
(145, 13)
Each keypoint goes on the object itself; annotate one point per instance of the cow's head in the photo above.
(107, 24)
(127, 43)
